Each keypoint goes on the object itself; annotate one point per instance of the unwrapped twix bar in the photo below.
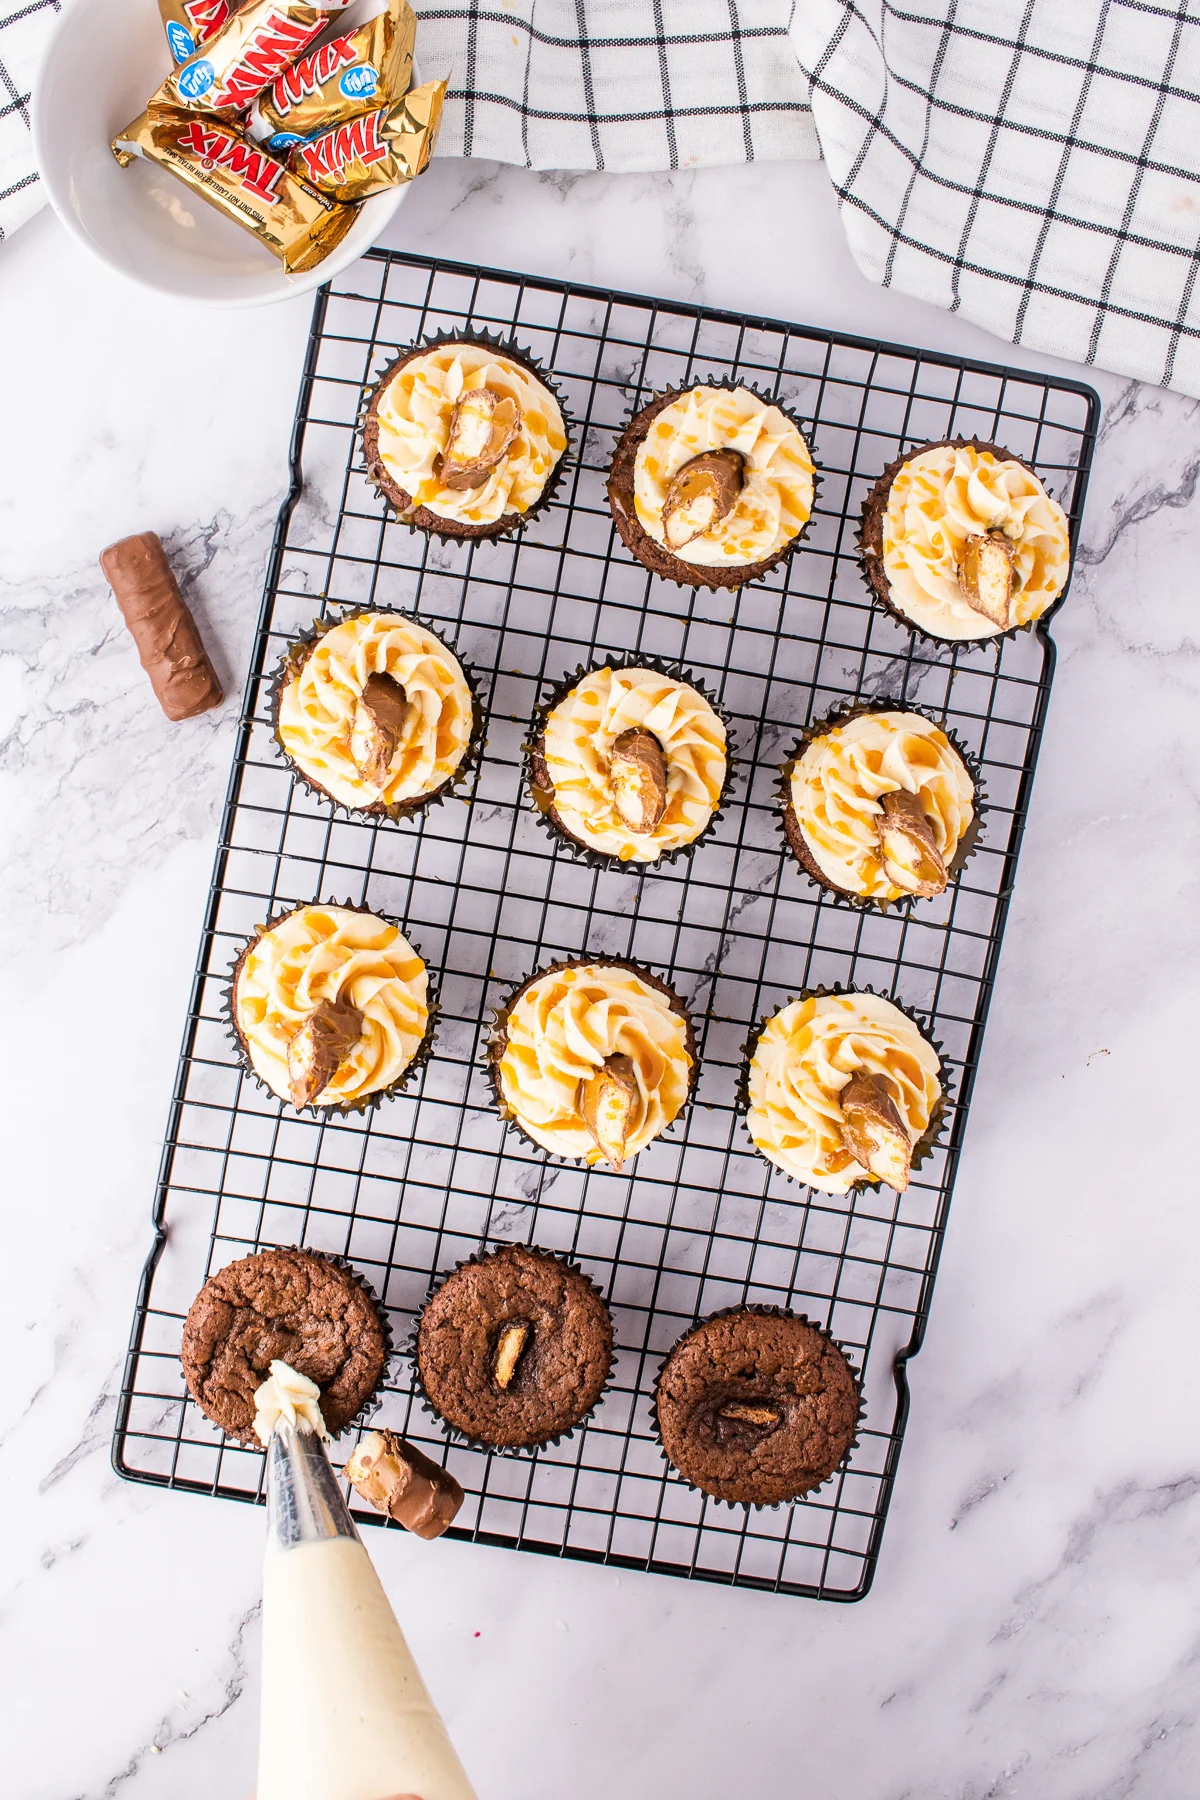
(228, 73)
(242, 180)
(375, 151)
(349, 75)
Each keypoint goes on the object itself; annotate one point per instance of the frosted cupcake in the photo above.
(629, 763)
(842, 1089)
(463, 438)
(711, 485)
(962, 540)
(330, 1007)
(376, 713)
(593, 1059)
(878, 805)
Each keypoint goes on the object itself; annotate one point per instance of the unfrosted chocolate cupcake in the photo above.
(463, 437)
(293, 1306)
(961, 540)
(514, 1347)
(756, 1406)
(711, 485)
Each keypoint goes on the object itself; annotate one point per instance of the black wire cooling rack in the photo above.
(700, 1221)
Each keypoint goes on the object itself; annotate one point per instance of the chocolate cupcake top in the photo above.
(468, 433)
(636, 760)
(756, 1407)
(376, 711)
(594, 1060)
(330, 1004)
(947, 506)
(722, 478)
(842, 790)
(290, 1306)
(841, 1090)
(515, 1347)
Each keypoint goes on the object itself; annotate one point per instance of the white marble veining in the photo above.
(1033, 1628)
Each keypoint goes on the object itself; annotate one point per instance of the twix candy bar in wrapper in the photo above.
(228, 73)
(190, 23)
(349, 75)
(242, 180)
(375, 151)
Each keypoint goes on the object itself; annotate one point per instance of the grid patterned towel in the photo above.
(23, 30)
(1032, 164)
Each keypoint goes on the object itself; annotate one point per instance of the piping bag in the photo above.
(345, 1714)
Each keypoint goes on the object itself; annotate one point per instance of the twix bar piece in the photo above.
(190, 23)
(242, 180)
(349, 75)
(228, 73)
(378, 150)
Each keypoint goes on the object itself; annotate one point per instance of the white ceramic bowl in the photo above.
(105, 59)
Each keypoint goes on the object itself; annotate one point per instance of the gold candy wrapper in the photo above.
(190, 23)
(375, 151)
(356, 73)
(228, 73)
(242, 180)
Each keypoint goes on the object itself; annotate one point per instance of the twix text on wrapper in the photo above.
(353, 74)
(375, 151)
(242, 180)
(228, 73)
(190, 23)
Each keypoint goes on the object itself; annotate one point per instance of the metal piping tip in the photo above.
(304, 1502)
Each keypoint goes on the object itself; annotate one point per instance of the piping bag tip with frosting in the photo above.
(345, 1714)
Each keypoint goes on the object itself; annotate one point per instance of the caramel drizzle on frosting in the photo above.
(414, 415)
(578, 740)
(777, 492)
(331, 953)
(806, 1054)
(941, 498)
(317, 704)
(837, 782)
(561, 1029)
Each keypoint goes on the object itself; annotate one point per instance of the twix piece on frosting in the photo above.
(240, 179)
(190, 23)
(378, 150)
(228, 73)
(403, 1482)
(349, 75)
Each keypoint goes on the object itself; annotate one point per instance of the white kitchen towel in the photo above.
(1032, 164)
(551, 84)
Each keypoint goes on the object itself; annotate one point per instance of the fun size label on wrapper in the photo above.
(378, 150)
(363, 70)
(228, 73)
(242, 181)
(190, 23)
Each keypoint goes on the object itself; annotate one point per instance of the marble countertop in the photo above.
(1032, 1631)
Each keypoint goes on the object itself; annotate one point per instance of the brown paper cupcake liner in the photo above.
(374, 1400)
(497, 1037)
(421, 519)
(342, 1109)
(764, 1311)
(538, 781)
(929, 1139)
(456, 1433)
(869, 541)
(840, 714)
(293, 658)
(630, 530)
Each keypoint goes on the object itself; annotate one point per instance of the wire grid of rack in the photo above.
(699, 1221)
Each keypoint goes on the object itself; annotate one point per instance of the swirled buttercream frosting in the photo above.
(776, 496)
(806, 1054)
(837, 783)
(414, 410)
(577, 745)
(332, 953)
(939, 499)
(559, 1031)
(286, 1394)
(319, 705)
